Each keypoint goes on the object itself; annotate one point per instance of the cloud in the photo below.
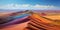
(42, 7)
(28, 6)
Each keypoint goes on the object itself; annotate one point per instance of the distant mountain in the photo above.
(47, 11)
(8, 10)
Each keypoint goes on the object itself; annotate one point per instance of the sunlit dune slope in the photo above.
(38, 22)
(54, 17)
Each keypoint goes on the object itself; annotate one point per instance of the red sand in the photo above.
(16, 27)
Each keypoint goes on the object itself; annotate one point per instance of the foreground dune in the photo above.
(37, 22)
(16, 26)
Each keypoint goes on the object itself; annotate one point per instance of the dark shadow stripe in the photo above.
(37, 27)
(47, 18)
(39, 24)
(47, 24)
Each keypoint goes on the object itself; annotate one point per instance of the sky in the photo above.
(30, 4)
